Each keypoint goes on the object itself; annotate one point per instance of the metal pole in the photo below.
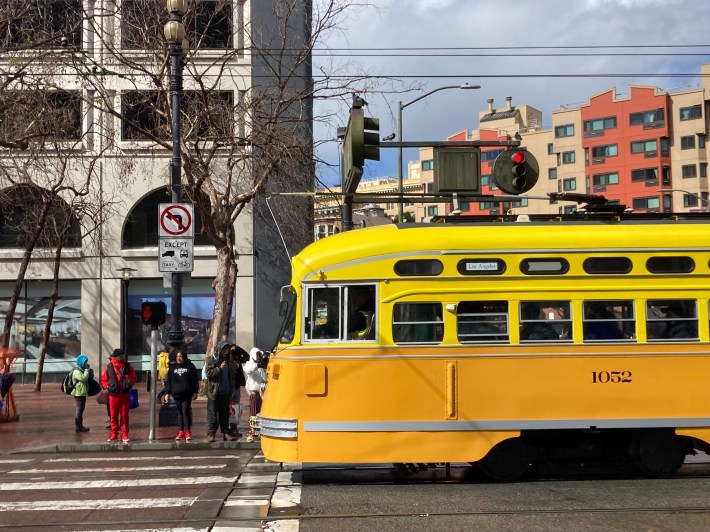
(176, 337)
(124, 312)
(400, 178)
(153, 378)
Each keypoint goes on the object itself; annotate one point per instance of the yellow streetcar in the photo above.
(504, 343)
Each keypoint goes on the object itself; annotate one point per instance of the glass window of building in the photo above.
(566, 130)
(692, 112)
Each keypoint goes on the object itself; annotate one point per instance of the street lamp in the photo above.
(400, 108)
(125, 279)
(175, 35)
(702, 200)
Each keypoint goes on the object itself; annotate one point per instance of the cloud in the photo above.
(503, 45)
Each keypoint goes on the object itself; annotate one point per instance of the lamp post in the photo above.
(400, 108)
(175, 35)
(702, 200)
(125, 280)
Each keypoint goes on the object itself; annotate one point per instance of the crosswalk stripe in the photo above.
(159, 469)
(14, 461)
(138, 482)
(97, 504)
(142, 457)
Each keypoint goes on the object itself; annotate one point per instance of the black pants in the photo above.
(80, 406)
(218, 413)
(184, 413)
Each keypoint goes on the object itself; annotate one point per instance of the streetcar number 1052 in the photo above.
(604, 377)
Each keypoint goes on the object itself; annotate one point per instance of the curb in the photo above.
(138, 446)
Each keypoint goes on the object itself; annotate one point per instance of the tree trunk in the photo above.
(223, 285)
(50, 315)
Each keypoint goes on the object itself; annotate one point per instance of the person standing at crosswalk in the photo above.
(80, 377)
(182, 384)
(119, 377)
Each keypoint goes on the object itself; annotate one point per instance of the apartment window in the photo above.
(569, 184)
(54, 115)
(208, 25)
(206, 115)
(687, 143)
(701, 140)
(648, 147)
(646, 204)
(599, 124)
(550, 148)
(432, 210)
(610, 150)
(689, 170)
(568, 209)
(564, 131)
(490, 155)
(567, 157)
(552, 173)
(487, 205)
(703, 169)
(690, 200)
(644, 174)
(428, 165)
(49, 23)
(486, 179)
(605, 179)
(691, 113)
(646, 117)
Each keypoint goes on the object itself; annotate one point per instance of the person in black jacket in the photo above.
(182, 384)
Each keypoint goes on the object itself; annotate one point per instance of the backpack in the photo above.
(68, 383)
(163, 365)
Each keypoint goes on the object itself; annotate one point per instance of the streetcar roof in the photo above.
(410, 240)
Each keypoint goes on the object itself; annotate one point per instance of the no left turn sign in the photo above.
(175, 219)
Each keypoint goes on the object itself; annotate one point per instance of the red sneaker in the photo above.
(188, 436)
(113, 437)
(180, 435)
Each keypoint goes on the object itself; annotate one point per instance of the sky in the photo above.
(451, 42)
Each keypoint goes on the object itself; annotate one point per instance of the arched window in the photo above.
(141, 228)
(20, 211)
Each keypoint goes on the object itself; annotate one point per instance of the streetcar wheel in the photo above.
(658, 453)
(507, 461)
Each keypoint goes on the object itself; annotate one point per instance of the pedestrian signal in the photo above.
(515, 171)
(153, 313)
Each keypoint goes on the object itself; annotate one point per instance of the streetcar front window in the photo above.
(341, 313)
(287, 311)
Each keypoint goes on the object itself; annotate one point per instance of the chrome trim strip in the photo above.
(278, 428)
(500, 425)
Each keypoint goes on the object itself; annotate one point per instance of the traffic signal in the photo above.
(361, 142)
(515, 171)
(153, 313)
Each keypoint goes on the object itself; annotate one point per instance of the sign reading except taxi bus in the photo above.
(176, 231)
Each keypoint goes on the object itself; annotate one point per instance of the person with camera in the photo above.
(255, 373)
(221, 372)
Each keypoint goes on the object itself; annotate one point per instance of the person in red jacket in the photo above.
(118, 377)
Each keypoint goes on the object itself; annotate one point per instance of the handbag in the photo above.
(94, 388)
(102, 396)
(133, 399)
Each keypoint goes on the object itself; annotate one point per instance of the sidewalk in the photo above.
(46, 424)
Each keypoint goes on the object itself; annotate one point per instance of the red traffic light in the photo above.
(518, 157)
(153, 312)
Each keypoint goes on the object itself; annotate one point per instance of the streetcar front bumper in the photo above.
(278, 428)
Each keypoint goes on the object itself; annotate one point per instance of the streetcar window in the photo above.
(545, 321)
(671, 319)
(418, 267)
(323, 318)
(417, 323)
(481, 266)
(551, 266)
(606, 321)
(607, 265)
(670, 265)
(482, 321)
(341, 313)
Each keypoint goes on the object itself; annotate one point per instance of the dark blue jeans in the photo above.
(218, 413)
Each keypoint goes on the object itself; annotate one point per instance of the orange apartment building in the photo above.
(644, 149)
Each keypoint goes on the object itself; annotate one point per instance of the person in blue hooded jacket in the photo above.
(80, 377)
(221, 370)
